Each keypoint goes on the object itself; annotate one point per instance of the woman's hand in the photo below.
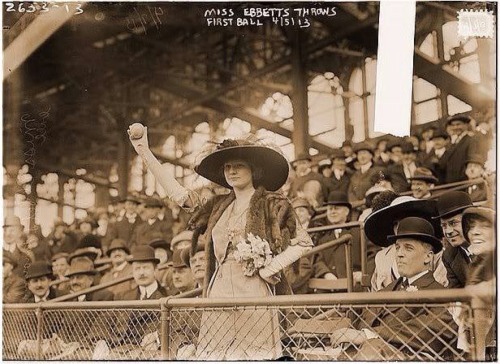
(140, 143)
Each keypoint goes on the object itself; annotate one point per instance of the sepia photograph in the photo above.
(249, 181)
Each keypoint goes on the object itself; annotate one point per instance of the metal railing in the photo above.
(410, 326)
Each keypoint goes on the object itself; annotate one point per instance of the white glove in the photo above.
(283, 260)
(174, 190)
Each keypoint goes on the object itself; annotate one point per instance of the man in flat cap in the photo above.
(398, 333)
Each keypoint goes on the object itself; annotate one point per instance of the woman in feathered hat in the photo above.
(251, 213)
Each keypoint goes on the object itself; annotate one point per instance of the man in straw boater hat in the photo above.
(422, 182)
(39, 277)
(330, 263)
(399, 333)
(456, 256)
(383, 222)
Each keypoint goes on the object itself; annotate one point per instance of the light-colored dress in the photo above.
(243, 333)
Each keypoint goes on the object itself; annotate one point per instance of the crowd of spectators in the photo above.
(394, 179)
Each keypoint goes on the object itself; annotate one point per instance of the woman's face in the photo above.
(238, 174)
(481, 236)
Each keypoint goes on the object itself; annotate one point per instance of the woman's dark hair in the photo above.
(383, 199)
(473, 218)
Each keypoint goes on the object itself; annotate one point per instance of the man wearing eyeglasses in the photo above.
(456, 256)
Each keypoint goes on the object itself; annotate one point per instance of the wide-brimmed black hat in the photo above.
(117, 244)
(273, 163)
(143, 253)
(39, 269)
(463, 118)
(380, 224)
(452, 203)
(419, 229)
(338, 198)
(423, 174)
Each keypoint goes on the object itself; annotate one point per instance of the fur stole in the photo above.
(269, 216)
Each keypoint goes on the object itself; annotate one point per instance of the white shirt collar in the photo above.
(10, 247)
(151, 221)
(148, 290)
(81, 298)
(439, 152)
(466, 250)
(417, 276)
(44, 298)
(338, 174)
(365, 167)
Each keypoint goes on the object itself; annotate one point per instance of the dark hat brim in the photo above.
(428, 179)
(338, 203)
(436, 244)
(463, 119)
(451, 212)
(160, 244)
(274, 165)
(41, 274)
(143, 260)
(380, 224)
(84, 271)
(124, 248)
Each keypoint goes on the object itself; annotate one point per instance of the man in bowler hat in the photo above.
(120, 268)
(456, 256)
(39, 277)
(397, 333)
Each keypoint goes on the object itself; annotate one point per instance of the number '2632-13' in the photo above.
(43, 7)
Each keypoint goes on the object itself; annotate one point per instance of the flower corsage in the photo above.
(253, 253)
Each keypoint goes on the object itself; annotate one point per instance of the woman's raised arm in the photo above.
(174, 190)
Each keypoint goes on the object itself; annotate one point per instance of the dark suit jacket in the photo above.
(333, 260)
(123, 229)
(411, 326)
(130, 327)
(361, 182)
(398, 177)
(298, 183)
(432, 161)
(482, 268)
(456, 262)
(144, 233)
(454, 159)
(334, 184)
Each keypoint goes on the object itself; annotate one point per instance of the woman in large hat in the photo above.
(252, 171)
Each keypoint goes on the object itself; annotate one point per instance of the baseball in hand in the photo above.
(136, 131)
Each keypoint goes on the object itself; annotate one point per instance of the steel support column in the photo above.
(299, 93)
